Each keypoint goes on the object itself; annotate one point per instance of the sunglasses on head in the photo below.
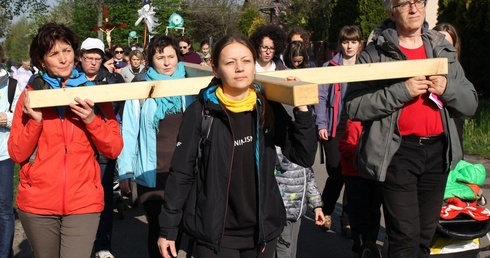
(118, 52)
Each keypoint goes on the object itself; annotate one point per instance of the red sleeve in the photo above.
(349, 140)
(24, 134)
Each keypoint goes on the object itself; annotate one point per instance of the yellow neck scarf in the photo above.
(247, 104)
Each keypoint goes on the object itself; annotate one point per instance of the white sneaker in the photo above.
(104, 254)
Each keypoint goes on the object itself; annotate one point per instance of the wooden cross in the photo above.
(107, 28)
(294, 93)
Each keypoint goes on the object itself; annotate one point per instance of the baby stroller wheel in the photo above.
(120, 208)
(369, 250)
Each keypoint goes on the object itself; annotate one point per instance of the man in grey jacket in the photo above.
(409, 141)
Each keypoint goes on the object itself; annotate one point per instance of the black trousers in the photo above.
(254, 252)
(103, 240)
(413, 193)
(364, 197)
(335, 180)
(153, 208)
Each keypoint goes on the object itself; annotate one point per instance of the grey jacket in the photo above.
(378, 103)
(128, 74)
(297, 186)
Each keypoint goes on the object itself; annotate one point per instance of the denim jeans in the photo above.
(7, 219)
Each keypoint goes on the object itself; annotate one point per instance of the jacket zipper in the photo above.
(257, 164)
(229, 180)
(63, 176)
(384, 166)
(64, 162)
(258, 180)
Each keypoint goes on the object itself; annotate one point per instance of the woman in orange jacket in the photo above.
(60, 196)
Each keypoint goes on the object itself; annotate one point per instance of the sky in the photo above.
(48, 2)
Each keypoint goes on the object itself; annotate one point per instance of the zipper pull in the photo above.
(66, 150)
(264, 246)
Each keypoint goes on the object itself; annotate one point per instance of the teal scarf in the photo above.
(76, 79)
(166, 105)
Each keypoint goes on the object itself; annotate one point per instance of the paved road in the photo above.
(129, 237)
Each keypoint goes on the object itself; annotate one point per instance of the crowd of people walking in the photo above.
(228, 167)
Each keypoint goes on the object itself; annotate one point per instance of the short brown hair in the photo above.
(349, 32)
(157, 44)
(305, 35)
(45, 39)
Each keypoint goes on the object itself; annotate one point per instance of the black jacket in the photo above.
(105, 77)
(201, 201)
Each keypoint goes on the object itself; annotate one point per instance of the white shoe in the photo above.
(104, 254)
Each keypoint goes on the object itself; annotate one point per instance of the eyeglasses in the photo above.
(119, 52)
(405, 6)
(91, 59)
(183, 47)
(265, 48)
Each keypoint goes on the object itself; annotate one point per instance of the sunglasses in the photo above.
(119, 52)
(183, 47)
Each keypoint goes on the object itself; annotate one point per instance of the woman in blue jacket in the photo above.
(149, 130)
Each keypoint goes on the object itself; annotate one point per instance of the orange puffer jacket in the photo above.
(63, 177)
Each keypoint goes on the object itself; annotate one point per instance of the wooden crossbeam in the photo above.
(275, 88)
(294, 93)
(367, 72)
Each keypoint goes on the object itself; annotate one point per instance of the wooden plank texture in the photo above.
(275, 87)
(367, 72)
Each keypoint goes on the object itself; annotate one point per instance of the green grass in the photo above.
(476, 132)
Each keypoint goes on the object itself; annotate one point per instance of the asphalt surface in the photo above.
(129, 235)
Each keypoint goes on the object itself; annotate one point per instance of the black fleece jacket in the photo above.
(200, 200)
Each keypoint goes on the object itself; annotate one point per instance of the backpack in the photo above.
(12, 86)
(206, 124)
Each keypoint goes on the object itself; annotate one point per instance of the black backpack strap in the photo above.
(37, 83)
(206, 124)
(99, 111)
(11, 92)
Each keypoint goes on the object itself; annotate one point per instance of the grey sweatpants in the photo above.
(288, 237)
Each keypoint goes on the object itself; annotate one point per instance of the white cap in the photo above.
(93, 43)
